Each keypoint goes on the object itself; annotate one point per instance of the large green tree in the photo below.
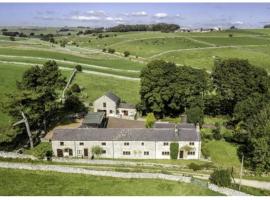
(235, 79)
(167, 89)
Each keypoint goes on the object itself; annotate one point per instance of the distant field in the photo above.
(51, 184)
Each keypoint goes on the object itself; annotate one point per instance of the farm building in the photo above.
(112, 106)
(94, 120)
(128, 143)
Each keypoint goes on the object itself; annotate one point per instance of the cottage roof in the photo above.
(164, 125)
(129, 134)
(94, 118)
(113, 97)
(126, 105)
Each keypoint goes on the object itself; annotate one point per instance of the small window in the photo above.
(146, 153)
(191, 153)
(126, 143)
(191, 143)
(103, 143)
(142, 143)
(126, 153)
(104, 105)
(111, 111)
(103, 151)
(66, 150)
(165, 144)
(165, 153)
(81, 143)
(61, 143)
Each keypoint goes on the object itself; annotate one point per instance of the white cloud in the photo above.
(161, 15)
(114, 18)
(96, 12)
(139, 13)
(238, 22)
(85, 18)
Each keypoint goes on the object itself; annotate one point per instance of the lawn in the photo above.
(37, 183)
(223, 154)
(150, 47)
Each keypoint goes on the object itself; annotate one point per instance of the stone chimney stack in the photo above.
(198, 128)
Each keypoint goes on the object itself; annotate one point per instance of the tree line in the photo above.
(234, 88)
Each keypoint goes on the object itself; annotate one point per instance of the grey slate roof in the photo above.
(126, 105)
(120, 134)
(164, 125)
(94, 118)
(113, 97)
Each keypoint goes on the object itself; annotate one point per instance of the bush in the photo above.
(41, 151)
(96, 150)
(104, 50)
(79, 68)
(75, 88)
(110, 50)
(195, 115)
(150, 120)
(174, 147)
(228, 135)
(217, 132)
(11, 38)
(194, 166)
(126, 53)
(205, 151)
(221, 177)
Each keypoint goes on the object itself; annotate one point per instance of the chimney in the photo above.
(183, 119)
(198, 128)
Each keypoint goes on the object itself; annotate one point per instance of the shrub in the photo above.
(195, 115)
(11, 38)
(126, 53)
(174, 148)
(230, 35)
(194, 166)
(150, 120)
(75, 88)
(221, 177)
(96, 150)
(217, 132)
(104, 50)
(110, 50)
(79, 68)
(228, 135)
(40, 151)
(205, 151)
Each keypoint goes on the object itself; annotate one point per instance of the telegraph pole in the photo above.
(241, 172)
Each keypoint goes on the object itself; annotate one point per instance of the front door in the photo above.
(181, 155)
(59, 153)
(85, 152)
(70, 152)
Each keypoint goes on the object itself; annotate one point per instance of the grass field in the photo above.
(52, 183)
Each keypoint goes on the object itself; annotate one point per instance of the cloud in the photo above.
(85, 18)
(97, 13)
(114, 18)
(139, 13)
(161, 15)
(238, 22)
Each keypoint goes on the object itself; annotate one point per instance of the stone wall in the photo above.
(226, 191)
(5, 154)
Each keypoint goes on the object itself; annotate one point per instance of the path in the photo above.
(84, 71)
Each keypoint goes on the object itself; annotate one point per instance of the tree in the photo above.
(174, 149)
(195, 115)
(110, 50)
(36, 96)
(78, 68)
(230, 35)
(235, 80)
(150, 120)
(221, 177)
(217, 132)
(255, 141)
(96, 150)
(74, 105)
(11, 38)
(126, 53)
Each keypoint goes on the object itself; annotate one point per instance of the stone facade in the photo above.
(126, 149)
(106, 104)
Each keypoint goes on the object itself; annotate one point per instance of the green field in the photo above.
(51, 183)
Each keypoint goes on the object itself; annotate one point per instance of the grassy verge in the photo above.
(23, 182)
(251, 190)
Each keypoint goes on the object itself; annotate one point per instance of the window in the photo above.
(103, 151)
(191, 153)
(191, 143)
(79, 152)
(146, 153)
(142, 143)
(81, 143)
(165, 144)
(66, 150)
(126, 153)
(165, 153)
(61, 143)
(126, 143)
(111, 111)
(103, 143)
(104, 105)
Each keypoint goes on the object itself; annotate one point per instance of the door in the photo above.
(85, 153)
(181, 155)
(125, 112)
(59, 153)
(70, 152)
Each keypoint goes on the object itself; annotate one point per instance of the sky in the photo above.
(192, 15)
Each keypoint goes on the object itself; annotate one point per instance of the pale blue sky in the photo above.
(248, 15)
